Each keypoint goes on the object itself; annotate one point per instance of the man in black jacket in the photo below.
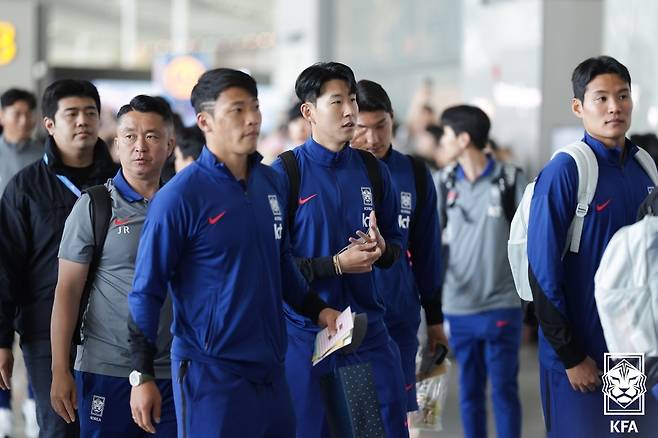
(34, 207)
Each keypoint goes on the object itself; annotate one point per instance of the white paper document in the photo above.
(325, 344)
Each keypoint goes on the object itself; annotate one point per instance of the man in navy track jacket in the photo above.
(216, 236)
(336, 199)
(415, 279)
(571, 341)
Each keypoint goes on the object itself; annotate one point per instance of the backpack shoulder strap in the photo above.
(446, 193)
(649, 206)
(420, 181)
(588, 177)
(100, 213)
(100, 210)
(372, 167)
(291, 167)
(647, 163)
(507, 185)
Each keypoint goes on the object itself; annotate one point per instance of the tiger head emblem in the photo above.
(624, 383)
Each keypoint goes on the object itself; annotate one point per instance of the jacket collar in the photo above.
(124, 188)
(488, 169)
(102, 160)
(208, 160)
(388, 154)
(324, 156)
(611, 156)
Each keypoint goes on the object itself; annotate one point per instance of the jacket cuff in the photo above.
(570, 355)
(316, 268)
(142, 351)
(433, 312)
(323, 267)
(389, 257)
(312, 306)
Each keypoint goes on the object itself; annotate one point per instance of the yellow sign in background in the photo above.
(181, 74)
(7, 42)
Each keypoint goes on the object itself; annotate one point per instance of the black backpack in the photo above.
(650, 206)
(100, 212)
(505, 181)
(419, 169)
(291, 167)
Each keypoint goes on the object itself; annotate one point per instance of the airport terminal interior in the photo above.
(512, 59)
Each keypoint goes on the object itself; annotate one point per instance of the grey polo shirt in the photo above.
(105, 349)
(13, 157)
(478, 276)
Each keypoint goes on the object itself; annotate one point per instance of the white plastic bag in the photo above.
(431, 393)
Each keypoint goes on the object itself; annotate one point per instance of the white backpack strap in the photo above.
(588, 177)
(647, 163)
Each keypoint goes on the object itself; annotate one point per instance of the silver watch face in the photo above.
(135, 378)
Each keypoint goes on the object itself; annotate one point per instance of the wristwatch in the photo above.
(136, 378)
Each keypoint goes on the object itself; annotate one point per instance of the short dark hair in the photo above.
(469, 119)
(148, 104)
(308, 86)
(67, 88)
(593, 67)
(294, 112)
(14, 95)
(370, 96)
(435, 131)
(213, 82)
(190, 142)
(176, 118)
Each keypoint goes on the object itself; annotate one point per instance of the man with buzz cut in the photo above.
(341, 191)
(215, 236)
(101, 392)
(415, 279)
(33, 210)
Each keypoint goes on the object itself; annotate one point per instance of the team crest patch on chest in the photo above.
(274, 205)
(366, 194)
(405, 200)
(650, 189)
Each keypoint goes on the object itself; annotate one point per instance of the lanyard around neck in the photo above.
(67, 182)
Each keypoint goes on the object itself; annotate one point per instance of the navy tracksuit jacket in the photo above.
(220, 245)
(335, 200)
(412, 281)
(563, 289)
(415, 278)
